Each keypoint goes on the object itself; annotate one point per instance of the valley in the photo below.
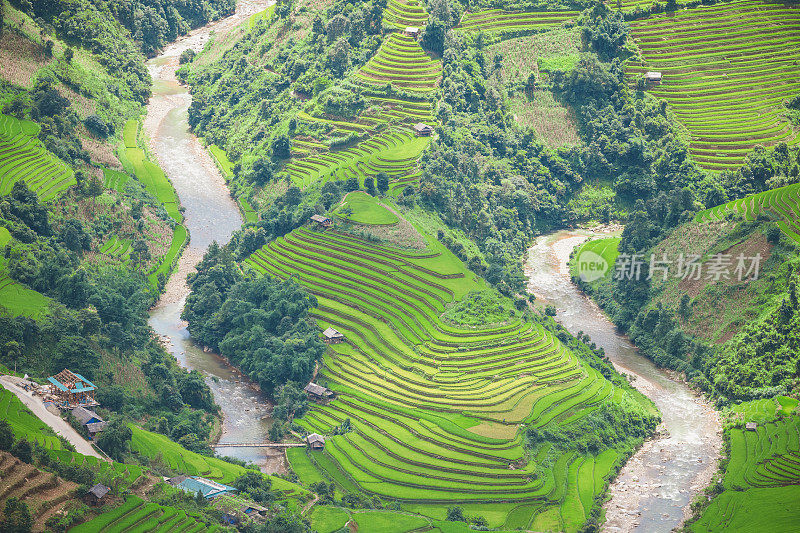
(399, 266)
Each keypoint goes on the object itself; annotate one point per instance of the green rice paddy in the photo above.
(727, 69)
(366, 210)
(381, 138)
(436, 407)
(762, 480)
(514, 23)
(781, 204)
(404, 13)
(23, 157)
(138, 515)
(135, 161)
(16, 297)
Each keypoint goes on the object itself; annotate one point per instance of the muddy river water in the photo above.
(210, 215)
(654, 488)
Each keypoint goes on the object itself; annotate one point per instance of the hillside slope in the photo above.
(436, 408)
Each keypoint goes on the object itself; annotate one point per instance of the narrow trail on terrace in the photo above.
(211, 215)
(655, 487)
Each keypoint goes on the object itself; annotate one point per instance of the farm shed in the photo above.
(96, 494)
(315, 441)
(652, 77)
(411, 31)
(71, 389)
(422, 130)
(751, 426)
(321, 221)
(95, 428)
(317, 392)
(332, 336)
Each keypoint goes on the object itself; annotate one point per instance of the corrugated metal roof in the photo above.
(206, 487)
(58, 384)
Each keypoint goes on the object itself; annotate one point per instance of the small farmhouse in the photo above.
(70, 389)
(96, 495)
(412, 31)
(652, 77)
(315, 441)
(90, 420)
(751, 426)
(323, 222)
(422, 130)
(317, 392)
(331, 336)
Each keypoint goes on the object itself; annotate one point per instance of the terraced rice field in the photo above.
(404, 13)
(116, 247)
(114, 179)
(366, 210)
(23, 157)
(515, 22)
(395, 152)
(762, 482)
(137, 515)
(402, 62)
(43, 493)
(148, 173)
(727, 69)
(156, 183)
(387, 141)
(24, 423)
(436, 408)
(781, 204)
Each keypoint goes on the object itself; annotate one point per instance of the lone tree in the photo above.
(383, 182)
(282, 147)
(16, 517)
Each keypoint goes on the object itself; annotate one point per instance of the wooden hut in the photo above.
(71, 390)
(315, 441)
(323, 222)
(412, 31)
(652, 77)
(331, 336)
(96, 494)
(751, 426)
(317, 392)
(422, 130)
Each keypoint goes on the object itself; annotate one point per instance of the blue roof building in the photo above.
(208, 488)
(71, 389)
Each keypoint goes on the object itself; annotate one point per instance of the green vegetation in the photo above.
(158, 448)
(781, 204)
(23, 157)
(515, 24)
(156, 183)
(261, 325)
(480, 308)
(328, 519)
(462, 392)
(760, 481)
(138, 515)
(361, 208)
(696, 50)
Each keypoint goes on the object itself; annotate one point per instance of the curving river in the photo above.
(210, 215)
(655, 487)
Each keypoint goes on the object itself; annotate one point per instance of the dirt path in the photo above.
(59, 425)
